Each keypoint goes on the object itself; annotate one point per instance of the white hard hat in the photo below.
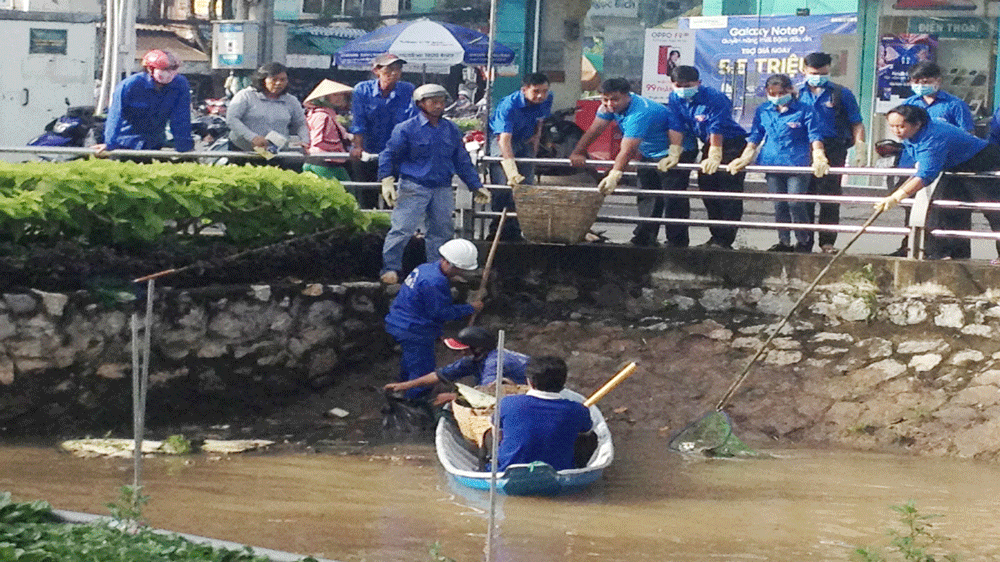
(461, 253)
(429, 91)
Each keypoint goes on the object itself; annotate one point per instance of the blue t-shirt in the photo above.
(539, 429)
(938, 147)
(787, 136)
(423, 305)
(375, 116)
(946, 108)
(139, 112)
(836, 114)
(708, 113)
(428, 154)
(643, 119)
(516, 116)
(485, 369)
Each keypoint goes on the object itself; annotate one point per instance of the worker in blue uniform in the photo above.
(479, 363)
(422, 307)
(789, 135)
(426, 152)
(145, 102)
(515, 129)
(377, 106)
(706, 113)
(839, 119)
(541, 426)
(937, 147)
(644, 124)
(925, 81)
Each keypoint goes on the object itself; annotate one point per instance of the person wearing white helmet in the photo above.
(426, 152)
(143, 103)
(423, 305)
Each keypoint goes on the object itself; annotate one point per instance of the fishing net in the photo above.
(711, 435)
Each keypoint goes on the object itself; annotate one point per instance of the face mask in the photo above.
(780, 100)
(686, 93)
(817, 80)
(923, 89)
(163, 76)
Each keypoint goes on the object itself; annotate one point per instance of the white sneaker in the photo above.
(390, 278)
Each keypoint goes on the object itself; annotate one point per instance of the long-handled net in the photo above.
(712, 434)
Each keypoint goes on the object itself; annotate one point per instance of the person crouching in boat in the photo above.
(479, 347)
(541, 425)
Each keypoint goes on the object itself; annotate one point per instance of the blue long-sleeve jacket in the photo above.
(787, 136)
(428, 155)
(139, 112)
(423, 305)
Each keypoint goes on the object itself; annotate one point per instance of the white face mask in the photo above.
(164, 76)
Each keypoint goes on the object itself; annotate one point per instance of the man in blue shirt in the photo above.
(925, 81)
(426, 151)
(143, 104)
(644, 124)
(839, 119)
(480, 363)
(937, 147)
(707, 114)
(541, 426)
(423, 305)
(516, 126)
(377, 106)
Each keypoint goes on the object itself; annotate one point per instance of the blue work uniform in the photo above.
(516, 116)
(946, 108)
(643, 119)
(837, 113)
(415, 319)
(140, 110)
(709, 112)
(938, 146)
(484, 369)
(426, 157)
(995, 128)
(787, 138)
(374, 116)
(533, 428)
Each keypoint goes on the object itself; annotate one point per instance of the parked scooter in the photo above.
(560, 134)
(79, 127)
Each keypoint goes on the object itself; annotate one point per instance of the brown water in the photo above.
(392, 503)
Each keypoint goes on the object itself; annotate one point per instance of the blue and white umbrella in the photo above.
(423, 42)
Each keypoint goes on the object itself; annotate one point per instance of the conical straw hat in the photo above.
(327, 87)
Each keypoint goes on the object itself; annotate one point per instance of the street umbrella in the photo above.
(423, 42)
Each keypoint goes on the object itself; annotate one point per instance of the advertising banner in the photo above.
(896, 55)
(664, 50)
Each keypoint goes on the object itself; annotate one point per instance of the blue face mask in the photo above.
(816, 80)
(924, 89)
(686, 93)
(780, 100)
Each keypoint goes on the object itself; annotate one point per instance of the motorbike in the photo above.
(78, 127)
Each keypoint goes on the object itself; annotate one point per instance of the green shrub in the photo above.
(917, 542)
(99, 202)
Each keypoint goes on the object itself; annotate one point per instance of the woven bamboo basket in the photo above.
(559, 215)
(474, 422)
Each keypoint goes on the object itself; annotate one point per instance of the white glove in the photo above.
(860, 154)
(608, 184)
(821, 165)
(891, 201)
(514, 176)
(736, 165)
(672, 159)
(710, 165)
(389, 191)
(482, 196)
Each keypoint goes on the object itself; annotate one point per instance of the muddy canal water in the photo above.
(391, 502)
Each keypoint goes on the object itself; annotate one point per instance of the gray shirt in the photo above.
(252, 114)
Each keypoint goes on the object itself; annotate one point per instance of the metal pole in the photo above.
(498, 394)
(104, 95)
(489, 67)
(137, 451)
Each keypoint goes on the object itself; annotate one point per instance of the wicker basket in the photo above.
(474, 422)
(560, 215)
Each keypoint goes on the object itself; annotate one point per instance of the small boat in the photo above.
(535, 479)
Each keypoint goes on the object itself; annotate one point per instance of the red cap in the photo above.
(452, 343)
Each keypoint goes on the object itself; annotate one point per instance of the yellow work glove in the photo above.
(672, 158)
(482, 196)
(891, 201)
(710, 165)
(736, 165)
(860, 154)
(821, 165)
(514, 176)
(608, 184)
(389, 191)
